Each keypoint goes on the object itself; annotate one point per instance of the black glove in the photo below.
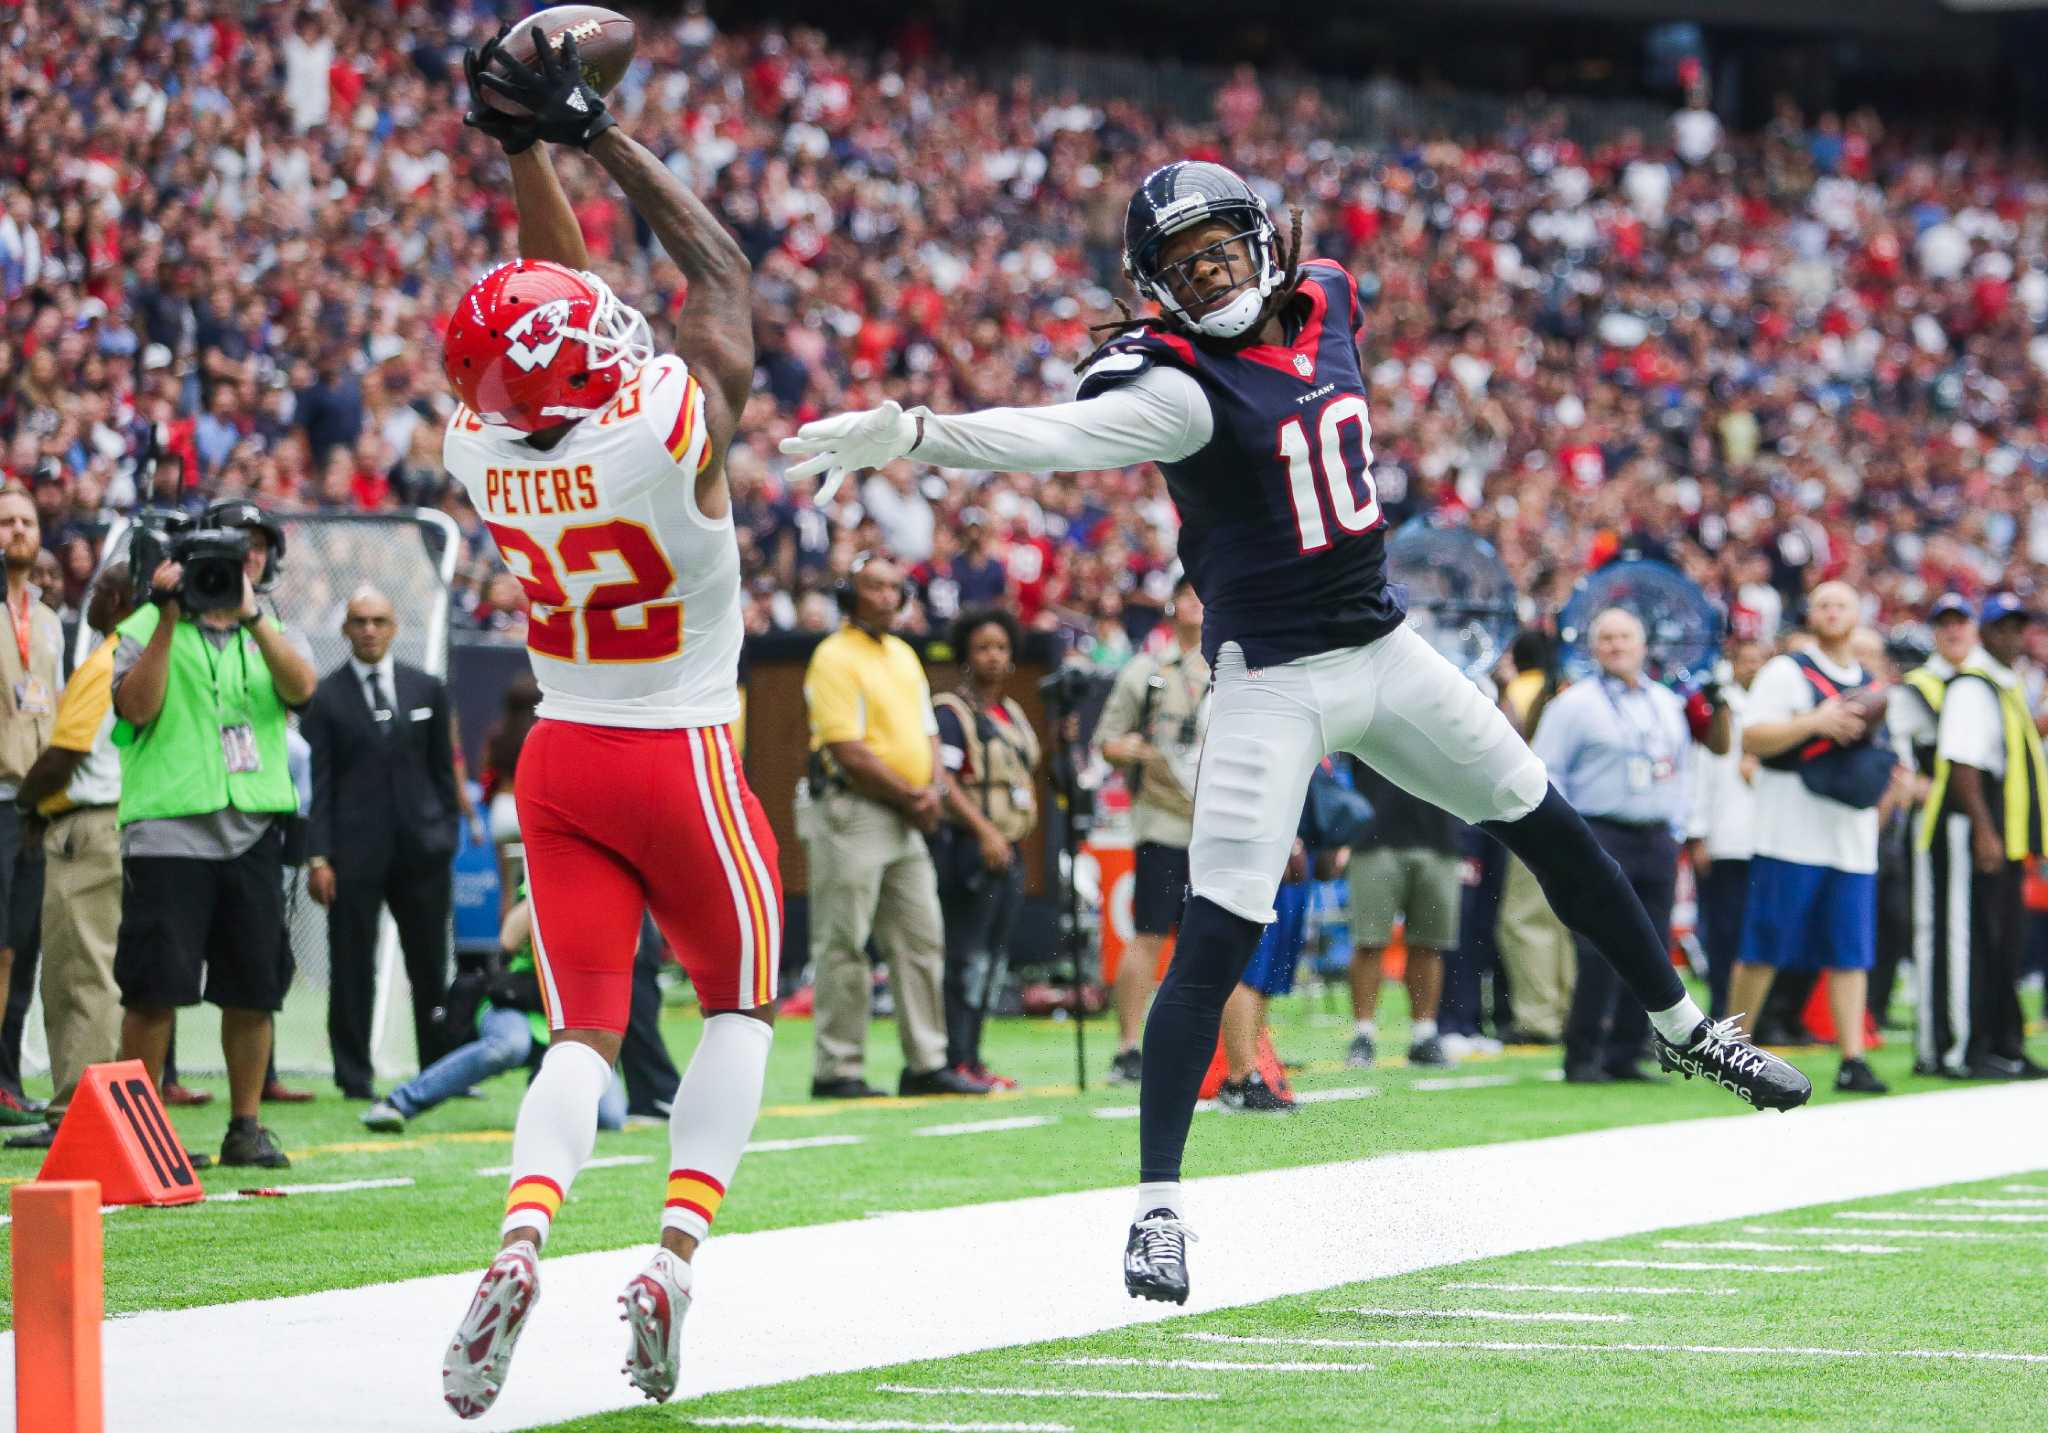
(564, 109)
(514, 134)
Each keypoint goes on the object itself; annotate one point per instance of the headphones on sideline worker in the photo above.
(842, 590)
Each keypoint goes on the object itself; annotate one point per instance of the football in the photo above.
(604, 43)
(1869, 703)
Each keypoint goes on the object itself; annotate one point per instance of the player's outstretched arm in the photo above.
(1158, 418)
(547, 226)
(715, 333)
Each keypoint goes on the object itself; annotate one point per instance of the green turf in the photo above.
(1976, 1295)
(447, 1221)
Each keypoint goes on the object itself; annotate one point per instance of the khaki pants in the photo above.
(871, 873)
(1542, 961)
(81, 917)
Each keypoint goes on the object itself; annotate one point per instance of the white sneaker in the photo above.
(653, 1307)
(384, 1117)
(1483, 1045)
(1456, 1046)
(474, 1372)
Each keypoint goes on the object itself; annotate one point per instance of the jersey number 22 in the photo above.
(657, 635)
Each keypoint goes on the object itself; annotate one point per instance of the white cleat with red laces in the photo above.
(473, 1374)
(653, 1307)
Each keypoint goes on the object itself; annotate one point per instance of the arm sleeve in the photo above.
(319, 735)
(1971, 730)
(952, 742)
(832, 693)
(673, 407)
(84, 705)
(1120, 710)
(1779, 693)
(1159, 416)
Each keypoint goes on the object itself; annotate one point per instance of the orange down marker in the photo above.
(58, 1305)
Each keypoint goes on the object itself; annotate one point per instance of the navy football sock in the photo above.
(1209, 958)
(1590, 895)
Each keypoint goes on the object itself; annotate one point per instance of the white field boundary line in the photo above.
(1213, 1365)
(1687, 1266)
(794, 1303)
(1509, 1316)
(1897, 1233)
(1649, 1290)
(1986, 1203)
(2024, 1188)
(1433, 1083)
(1902, 1216)
(1960, 1355)
(252, 1195)
(870, 1425)
(973, 1391)
(986, 1126)
(1751, 1246)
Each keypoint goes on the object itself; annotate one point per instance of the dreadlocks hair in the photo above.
(1130, 322)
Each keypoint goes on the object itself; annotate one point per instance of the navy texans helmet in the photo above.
(1179, 196)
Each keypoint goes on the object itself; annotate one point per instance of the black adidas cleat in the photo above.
(1720, 1052)
(1156, 1258)
(1252, 1095)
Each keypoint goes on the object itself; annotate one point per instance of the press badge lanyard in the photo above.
(1647, 760)
(24, 625)
(237, 739)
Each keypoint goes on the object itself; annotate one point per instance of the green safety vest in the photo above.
(2026, 774)
(174, 766)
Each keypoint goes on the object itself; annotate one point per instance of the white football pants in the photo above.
(1396, 704)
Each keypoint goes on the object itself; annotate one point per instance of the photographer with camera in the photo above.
(991, 755)
(1151, 729)
(502, 1004)
(873, 793)
(203, 683)
(30, 676)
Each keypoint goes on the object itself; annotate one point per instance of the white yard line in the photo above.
(816, 1141)
(1213, 1365)
(987, 1126)
(1988, 1203)
(345, 1186)
(1895, 1233)
(1629, 1289)
(1464, 1082)
(1751, 1246)
(1324, 1097)
(793, 1303)
(865, 1425)
(1748, 1350)
(1901, 1216)
(972, 1391)
(1687, 1266)
(2024, 1188)
(1495, 1315)
(610, 1161)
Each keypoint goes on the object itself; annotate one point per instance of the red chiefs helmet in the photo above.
(535, 343)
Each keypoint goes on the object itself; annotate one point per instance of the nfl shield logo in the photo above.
(1304, 365)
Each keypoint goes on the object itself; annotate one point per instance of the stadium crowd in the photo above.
(227, 233)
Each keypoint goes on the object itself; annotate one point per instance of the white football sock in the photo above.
(1367, 1028)
(557, 1129)
(1420, 1030)
(1159, 1196)
(1678, 1023)
(713, 1114)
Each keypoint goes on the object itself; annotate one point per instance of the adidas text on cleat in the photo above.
(473, 1374)
(653, 1308)
(1720, 1052)
(1156, 1258)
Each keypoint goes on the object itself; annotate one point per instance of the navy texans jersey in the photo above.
(1281, 532)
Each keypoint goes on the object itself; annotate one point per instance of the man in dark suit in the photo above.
(382, 832)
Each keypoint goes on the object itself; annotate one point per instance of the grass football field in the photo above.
(427, 1202)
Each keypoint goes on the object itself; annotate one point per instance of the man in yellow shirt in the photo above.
(873, 794)
(75, 786)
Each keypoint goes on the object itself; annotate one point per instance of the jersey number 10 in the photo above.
(649, 578)
(1353, 514)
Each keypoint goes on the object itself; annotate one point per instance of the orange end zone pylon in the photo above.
(115, 1133)
(58, 1305)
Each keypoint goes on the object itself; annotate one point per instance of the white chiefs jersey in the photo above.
(635, 594)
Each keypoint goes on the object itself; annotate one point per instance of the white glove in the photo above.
(850, 442)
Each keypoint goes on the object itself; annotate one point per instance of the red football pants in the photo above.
(619, 821)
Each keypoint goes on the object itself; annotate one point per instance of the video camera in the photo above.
(1071, 687)
(212, 558)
